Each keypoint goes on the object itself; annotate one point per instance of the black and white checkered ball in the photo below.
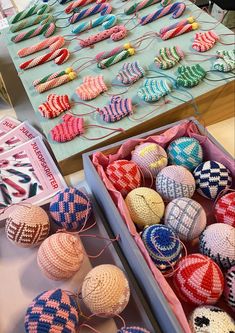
(211, 178)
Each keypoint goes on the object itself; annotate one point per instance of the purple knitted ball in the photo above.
(229, 288)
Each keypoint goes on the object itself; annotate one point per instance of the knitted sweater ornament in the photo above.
(153, 89)
(190, 76)
(169, 57)
(229, 290)
(225, 61)
(68, 129)
(55, 105)
(91, 87)
(225, 209)
(117, 109)
(130, 73)
(204, 41)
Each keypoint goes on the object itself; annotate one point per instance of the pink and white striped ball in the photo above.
(229, 290)
(225, 209)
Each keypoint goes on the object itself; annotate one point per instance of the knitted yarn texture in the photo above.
(229, 290)
(190, 76)
(130, 73)
(169, 57)
(132, 329)
(91, 87)
(117, 109)
(225, 209)
(68, 129)
(55, 105)
(204, 41)
(225, 61)
(153, 89)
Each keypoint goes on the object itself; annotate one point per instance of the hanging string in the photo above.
(103, 127)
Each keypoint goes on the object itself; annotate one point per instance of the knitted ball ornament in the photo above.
(211, 319)
(186, 217)
(60, 256)
(52, 311)
(150, 157)
(218, 242)
(70, 208)
(198, 279)
(225, 209)
(145, 206)
(162, 245)
(124, 175)
(229, 290)
(211, 178)
(186, 152)
(105, 290)
(27, 225)
(133, 329)
(175, 181)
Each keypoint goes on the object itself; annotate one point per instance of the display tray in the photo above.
(22, 280)
(211, 97)
(169, 311)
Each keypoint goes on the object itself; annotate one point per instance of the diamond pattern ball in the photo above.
(198, 280)
(186, 218)
(150, 157)
(132, 329)
(162, 245)
(229, 290)
(70, 208)
(124, 175)
(211, 178)
(186, 152)
(52, 311)
(175, 181)
(225, 209)
(218, 242)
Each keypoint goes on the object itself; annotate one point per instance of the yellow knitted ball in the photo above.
(145, 206)
(105, 290)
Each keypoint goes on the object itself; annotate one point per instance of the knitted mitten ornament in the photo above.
(225, 61)
(190, 76)
(68, 130)
(117, 109)
(169, 57)
(130, 73)
(55, 105)
(91, 87)
(153, 90)
(204, 41)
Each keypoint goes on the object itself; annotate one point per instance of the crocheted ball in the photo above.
(106, 291)
(225, 209)
(145, 206)
(27, 225)
(133, 329)
(211, 319)
(175, 181)
(186, 217)
(60, 256)
(150, 157)
(198, 279)
(218, 242)
(162, 245)
(124, 175)
(186, 152)
(229, 289)
(70, 208)
(211, 178)
(52, 311)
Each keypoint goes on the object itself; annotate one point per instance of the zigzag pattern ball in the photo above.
(225, 209)
(229, 290)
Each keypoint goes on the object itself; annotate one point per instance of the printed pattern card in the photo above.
(7, 124)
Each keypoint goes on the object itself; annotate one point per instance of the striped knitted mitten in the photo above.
(225, 61)
(204, 41)
(117, 109)
(190, 76)
(68, 130)
(130, 73)
(169, 57)
(55, 105)
(92, 87)
(153, 89)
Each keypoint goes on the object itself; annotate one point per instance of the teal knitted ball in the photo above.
(186, 152)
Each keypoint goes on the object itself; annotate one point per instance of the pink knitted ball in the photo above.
(229, 290)
(60, 256)
(225, 209)
(198, 280)
(150, 157)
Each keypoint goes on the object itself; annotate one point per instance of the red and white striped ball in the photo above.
(199, 280)
(225, 209)
(124, 175)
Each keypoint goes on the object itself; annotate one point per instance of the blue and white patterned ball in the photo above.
(211, 178)
(186, 152)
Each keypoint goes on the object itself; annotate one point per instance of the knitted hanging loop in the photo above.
(225, 61)
(190, 76)
(153, 89)
(169, 57)
(68, 129)
(46, 30)
(55, 105)
(204, 41)
(91, 87)
(117, 109)
(130, 73)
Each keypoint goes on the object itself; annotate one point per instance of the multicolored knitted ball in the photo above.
(70, 208)
(52, 311)
(186, 217)
(60, 256)
(211, 178)
(124, 175)
(105, 291)
(218, 242)
(150, 157)
(186, 152)
(225, 209)
(162, 245)
(211, 319)
(229, 289)
(132, 329)
(175, 181)
(145, 206)
(198, 279)
(27, 225)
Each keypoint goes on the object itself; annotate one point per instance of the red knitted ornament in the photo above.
(124, 175)
(55, 105)
(199, 280)
(68, 130)
(225, 209)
